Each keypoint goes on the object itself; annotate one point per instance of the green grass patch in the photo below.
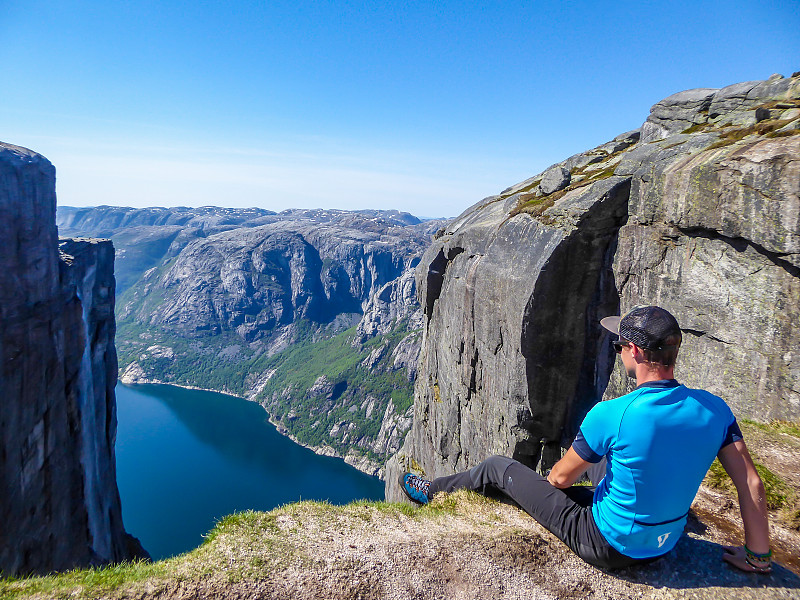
(251, 520)
(783, 104)
(444, 504)
(524, 190)
(777, 426)
(249, 545)
(390, 508)
(598, 176)
(82, 583)
(780, 134)
(764, 128)
(779, 494)
(534, 207)
(537, 205)
(697, 127)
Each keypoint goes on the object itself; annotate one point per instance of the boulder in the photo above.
(555, 179)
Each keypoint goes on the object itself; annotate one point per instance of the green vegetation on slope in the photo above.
(778, 492)
(357, 394)
(781, 495)
(224, 362)
(777, 426)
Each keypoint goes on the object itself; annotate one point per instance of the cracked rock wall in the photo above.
(59, 505)
(714, 235)
(697, 211)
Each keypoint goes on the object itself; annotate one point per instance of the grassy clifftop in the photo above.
(462, 545)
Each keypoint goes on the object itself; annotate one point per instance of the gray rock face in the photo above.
(60, 507)
(394, 301)
(305, 264)
(714, 238)
(676, 113)
(492, 325)
(143, 237)
(699, 214)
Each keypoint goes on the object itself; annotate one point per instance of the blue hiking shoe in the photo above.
(415, 487)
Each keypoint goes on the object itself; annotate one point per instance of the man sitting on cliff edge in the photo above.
(659, 442)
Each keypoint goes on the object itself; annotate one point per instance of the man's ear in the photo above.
(636, 352)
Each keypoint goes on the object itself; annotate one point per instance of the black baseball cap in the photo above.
(646, 326)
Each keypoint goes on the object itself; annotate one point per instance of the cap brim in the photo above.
(611, 323)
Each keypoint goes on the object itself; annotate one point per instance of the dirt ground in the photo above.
(484, 550)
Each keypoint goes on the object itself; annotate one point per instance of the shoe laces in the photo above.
(419, 484)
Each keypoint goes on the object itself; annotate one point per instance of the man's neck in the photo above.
(645, 374)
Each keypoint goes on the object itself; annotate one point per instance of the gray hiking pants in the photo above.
(566, 513)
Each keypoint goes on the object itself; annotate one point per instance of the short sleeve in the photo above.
(594, 439)
(582, 449)
(732, 434)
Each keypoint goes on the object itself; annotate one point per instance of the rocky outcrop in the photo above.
(60, 507)
(392, 302)
(714, 235)
(697, 211)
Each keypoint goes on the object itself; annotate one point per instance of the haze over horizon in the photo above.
(417, 107)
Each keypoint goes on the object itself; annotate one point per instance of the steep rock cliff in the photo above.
(697, 211)
(60, 505)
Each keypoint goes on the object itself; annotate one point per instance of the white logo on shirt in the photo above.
(663, 538)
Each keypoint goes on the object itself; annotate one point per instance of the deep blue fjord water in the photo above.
(186, 458)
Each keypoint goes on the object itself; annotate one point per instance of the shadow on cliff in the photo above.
(568, 357)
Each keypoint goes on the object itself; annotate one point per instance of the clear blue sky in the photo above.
(421, 106)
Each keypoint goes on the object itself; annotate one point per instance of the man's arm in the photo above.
(736, 460)
(567, 470)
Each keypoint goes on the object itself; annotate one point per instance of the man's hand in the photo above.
(737, 556)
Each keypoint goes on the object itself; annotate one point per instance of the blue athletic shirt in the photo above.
(659, 442)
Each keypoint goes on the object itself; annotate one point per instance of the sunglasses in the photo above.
(619, 345)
